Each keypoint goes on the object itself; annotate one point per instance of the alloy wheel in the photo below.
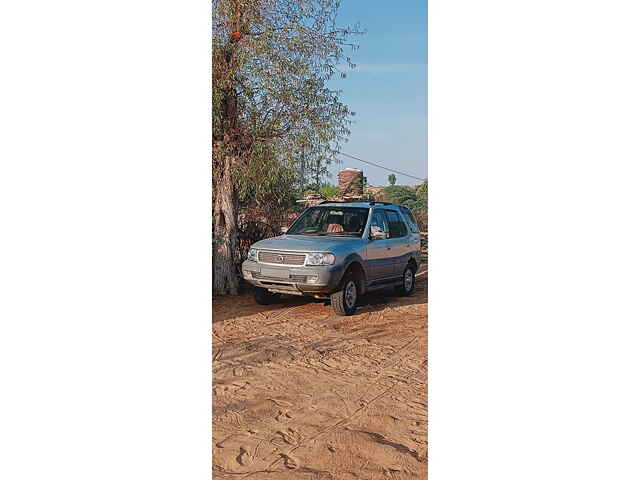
(350, 294)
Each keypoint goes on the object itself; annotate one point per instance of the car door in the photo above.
(399, 242)
(379, 263)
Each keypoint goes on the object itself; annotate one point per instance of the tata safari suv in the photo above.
(338, 251)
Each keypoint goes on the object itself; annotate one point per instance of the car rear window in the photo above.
(408, 216)
(397, 227)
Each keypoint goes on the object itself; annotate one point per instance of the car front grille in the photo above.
(292, 278)
(281, 258)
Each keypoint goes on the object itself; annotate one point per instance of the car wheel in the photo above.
(263, 296)
(344, 300)
(408, 281)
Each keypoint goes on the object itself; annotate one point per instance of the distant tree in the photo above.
(392, 179)
(419, 205)
(400, 195)
(414, 198)
(421, 194)
(328, 190)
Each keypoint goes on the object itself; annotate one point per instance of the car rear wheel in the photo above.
(408, 281)
(263, 296)
(344, 301)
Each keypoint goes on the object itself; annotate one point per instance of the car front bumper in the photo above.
(293, 280)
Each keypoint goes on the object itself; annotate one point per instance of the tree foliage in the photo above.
(413, 197)
(422, 193)
(267, 183)
(400, 194)
(392, 179)
(281, 58)
(327, 191)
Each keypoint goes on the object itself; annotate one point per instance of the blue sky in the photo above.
(387, 89)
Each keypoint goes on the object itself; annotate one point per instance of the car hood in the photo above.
(305, 243)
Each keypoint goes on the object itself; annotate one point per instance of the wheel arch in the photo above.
(413, 264)
(356, 266)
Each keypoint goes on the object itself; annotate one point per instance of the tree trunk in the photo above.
(225, 149)
(225, 280)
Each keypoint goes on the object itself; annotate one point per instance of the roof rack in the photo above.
(371, 202)
(341, 201)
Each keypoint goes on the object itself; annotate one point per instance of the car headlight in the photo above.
(253, 255)
(320, 259)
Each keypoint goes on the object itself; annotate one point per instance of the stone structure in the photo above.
(351, 183)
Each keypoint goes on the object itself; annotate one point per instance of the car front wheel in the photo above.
(263, 296)
(344, 300)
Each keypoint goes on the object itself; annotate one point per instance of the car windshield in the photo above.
(333, 221)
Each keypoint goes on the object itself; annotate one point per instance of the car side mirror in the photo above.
(283, 229)
(378, 235)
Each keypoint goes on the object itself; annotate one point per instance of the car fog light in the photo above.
(312, 278)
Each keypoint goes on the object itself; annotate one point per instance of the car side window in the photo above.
(379, 222)
(397, 227)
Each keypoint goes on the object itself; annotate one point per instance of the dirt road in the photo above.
(300, 393)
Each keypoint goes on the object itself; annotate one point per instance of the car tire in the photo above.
(408, 282)
(345, 300)
(263, 296)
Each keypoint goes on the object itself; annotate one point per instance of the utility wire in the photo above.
(380, 166)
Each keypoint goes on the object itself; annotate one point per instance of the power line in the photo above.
(380, 166)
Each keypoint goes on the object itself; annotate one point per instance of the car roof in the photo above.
(359, 204)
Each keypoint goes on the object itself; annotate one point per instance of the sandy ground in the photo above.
(300, 393)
